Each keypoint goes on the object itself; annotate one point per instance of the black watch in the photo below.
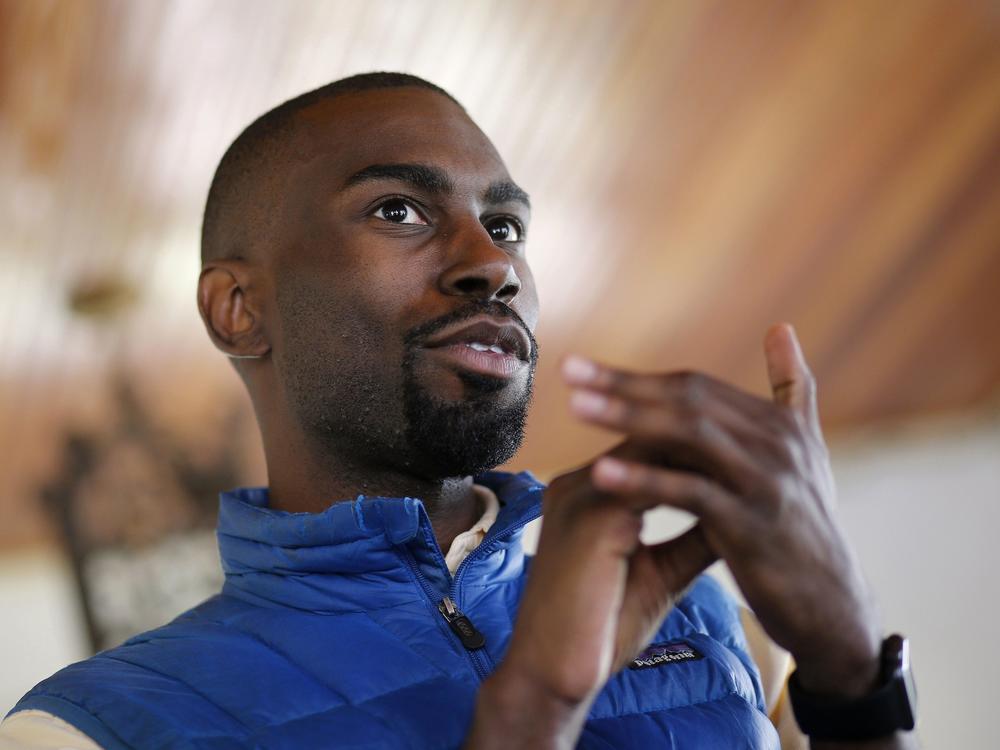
(891, 706)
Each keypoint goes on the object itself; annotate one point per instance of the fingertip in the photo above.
(779, 333)
(782, 342)
(578, 369)
(588, 403)
(610, 473)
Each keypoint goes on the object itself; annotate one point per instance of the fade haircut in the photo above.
(235, 212)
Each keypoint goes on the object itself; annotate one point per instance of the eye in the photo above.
(504, 230)
(399, 211)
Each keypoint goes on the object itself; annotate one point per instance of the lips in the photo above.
(484, 345)
(486, 335)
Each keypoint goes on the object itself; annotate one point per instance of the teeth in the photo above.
(495, 348)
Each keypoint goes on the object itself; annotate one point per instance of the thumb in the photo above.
(792, 383)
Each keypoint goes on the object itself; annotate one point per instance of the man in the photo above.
(364, 267)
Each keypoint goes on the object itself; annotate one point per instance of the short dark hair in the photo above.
(230, 220)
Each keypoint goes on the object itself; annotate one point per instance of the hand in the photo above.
(596, 594)
(594, 598)
(757, 476)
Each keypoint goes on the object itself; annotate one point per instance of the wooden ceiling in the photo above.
(699, 170)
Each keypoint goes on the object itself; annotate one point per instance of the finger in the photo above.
(657, 578)
(684, 558)
(792, 383)
(693, 387)
(699, 441)
(653, 486)
(650, 418)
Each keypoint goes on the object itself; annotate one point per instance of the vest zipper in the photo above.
(478, 656)
(471, 653)
(461, 625)
(480, 659)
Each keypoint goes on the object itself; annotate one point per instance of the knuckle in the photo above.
(781, 418)
(611, 521)
(565, 489)
(619, 410)
(561, 485)
(787, 424)
(697, 491)
(795, 446)
(608, 378)
(797, 452)
(668, 486)
(690, 492)
(691, 386)
(638, 478)
(701, 427)
(777, 493)
(783, 449)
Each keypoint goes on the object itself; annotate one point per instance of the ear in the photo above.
(229, 306)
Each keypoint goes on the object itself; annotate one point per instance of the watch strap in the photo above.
(890, 707)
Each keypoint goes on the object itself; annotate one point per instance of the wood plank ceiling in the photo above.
(699, 170)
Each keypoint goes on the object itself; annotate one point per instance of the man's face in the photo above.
(404, 303)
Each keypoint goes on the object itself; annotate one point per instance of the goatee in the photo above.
(478, 433)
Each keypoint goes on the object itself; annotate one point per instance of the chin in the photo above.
(474, 433)
(479, 387)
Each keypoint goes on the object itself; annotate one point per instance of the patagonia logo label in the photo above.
(659, 654)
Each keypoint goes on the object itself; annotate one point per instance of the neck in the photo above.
(304, 477)
(300, 481)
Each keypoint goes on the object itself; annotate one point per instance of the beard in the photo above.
(386, 417)
(477, 433)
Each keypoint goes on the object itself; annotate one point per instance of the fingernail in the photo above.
(578, 369)
(611, 469)
(588, 402)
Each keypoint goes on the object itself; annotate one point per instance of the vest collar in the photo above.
(326, 561)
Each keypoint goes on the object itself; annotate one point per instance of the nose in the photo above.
(480, 268)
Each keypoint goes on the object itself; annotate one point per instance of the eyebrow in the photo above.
(418, 175)
(504, 191)
(435, 180)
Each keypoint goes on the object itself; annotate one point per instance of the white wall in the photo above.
(41, 629)
(921, 504)
(924, 513)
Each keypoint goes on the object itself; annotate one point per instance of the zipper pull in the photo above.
(461, 625)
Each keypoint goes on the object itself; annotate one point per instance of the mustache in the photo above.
(494, 308)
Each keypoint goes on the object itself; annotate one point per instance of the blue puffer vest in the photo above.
(328, 634)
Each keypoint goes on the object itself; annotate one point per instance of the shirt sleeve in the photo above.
(40, 730)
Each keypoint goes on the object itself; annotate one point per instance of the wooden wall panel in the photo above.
(699, 171)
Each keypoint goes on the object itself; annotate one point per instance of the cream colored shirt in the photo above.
(40, 730)
(467, 541)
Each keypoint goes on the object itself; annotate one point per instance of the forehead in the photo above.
(340, 136)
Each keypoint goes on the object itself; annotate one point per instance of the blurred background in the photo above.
(699, 170)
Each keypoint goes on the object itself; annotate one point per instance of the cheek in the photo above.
(323, 320)
(355, 316)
